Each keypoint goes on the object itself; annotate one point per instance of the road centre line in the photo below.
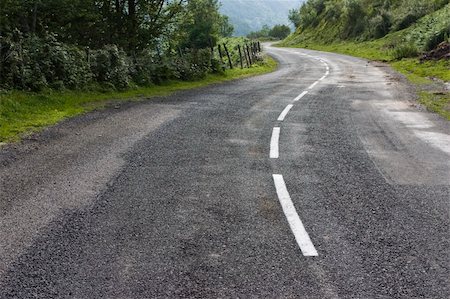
(285, 112)
(296, 225)
(274, 151)
(313, 85)
(301, 96)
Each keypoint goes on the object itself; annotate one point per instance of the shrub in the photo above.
(405, 51)
(111, 65)
(150, 68)
(380, 25)
(406, 21)
(193, 65)
(35, 63)
(437, 38)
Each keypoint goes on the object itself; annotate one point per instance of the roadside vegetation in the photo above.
(266, 33)
(24, 112)
(411, 35)
(59, 58)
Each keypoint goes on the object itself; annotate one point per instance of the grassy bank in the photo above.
(22, 113)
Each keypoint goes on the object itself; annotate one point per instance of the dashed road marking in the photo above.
(313, 85)
(300, 96)
(274, 152)
(285, 112)
(297, 227)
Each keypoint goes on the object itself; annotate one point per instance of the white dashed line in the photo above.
(300, 96)
(274, 153)
(313, 85)
(299, 231)
(285, 112)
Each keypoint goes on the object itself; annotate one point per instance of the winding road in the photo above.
(323, 179)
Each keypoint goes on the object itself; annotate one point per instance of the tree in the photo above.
(294, 17)
(225, 28)
(201, 24)
(280, 31)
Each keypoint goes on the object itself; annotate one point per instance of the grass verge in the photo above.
(22, 113)
(422, 74)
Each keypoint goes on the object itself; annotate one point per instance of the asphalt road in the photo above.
(215, 193)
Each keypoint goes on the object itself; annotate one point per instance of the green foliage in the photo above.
(130, 24)
(36, 63)
(225, 27)
(436, 102)
(438, 37)
(24, 112)
(294, 17)
(276, 32)
(116, 43)
(380, 25)
(201, 24)
(279, 31)
(111, 65)
(405, 51)
(333, 20)
(194, 65)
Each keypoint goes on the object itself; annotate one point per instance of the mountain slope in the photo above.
(422, 25)
(251, 15)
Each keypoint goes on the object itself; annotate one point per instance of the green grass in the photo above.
(22, 113)
(436, 102)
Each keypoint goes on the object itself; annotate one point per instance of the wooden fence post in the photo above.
(212, 51)
(240, 56)
(247, 63)
(248, 53)
(252, 50)
(259, 46)
(221, 58)
(228, 56)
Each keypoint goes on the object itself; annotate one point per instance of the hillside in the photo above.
(251, 15)
(422, 24)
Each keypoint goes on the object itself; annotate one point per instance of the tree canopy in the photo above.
(70, 43)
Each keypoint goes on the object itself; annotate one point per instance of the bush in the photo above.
(354, 19)
(35, 63)
(280, 31)
(150, 68)
(405, 51)
(193, 65)
(437, 38)
(111, 65)
(380, 25)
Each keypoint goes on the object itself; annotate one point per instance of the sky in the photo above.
(251, 15)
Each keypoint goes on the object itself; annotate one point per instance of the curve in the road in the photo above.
(295, 223)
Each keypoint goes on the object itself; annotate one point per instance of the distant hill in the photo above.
(251, 15)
